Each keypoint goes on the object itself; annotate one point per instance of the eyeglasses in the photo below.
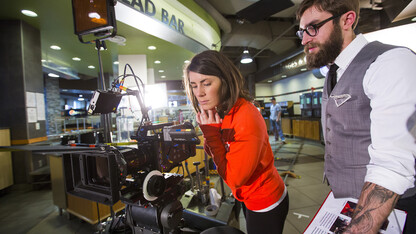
(312, 30)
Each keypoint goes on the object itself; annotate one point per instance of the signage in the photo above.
(149, 8)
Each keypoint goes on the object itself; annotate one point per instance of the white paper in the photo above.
(30, 99)
(31, 115)
(40, 103)
(335, 214)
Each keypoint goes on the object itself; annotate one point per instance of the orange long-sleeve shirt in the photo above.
(241, 151)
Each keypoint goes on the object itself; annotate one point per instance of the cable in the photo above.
(98, 214)
(112, 218)
(140, 92)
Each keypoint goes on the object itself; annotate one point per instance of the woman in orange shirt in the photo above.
(236, 137)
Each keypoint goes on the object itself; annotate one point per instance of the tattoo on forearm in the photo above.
(373, 208)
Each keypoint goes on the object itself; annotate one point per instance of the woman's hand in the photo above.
(208, 117)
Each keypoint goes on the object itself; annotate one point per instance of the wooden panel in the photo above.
(295, 126)
(6, 168)
(163, 119)
(267, 121)
(287, 126)
(87, 210)
(307, 129)
(316, 131)
(301, 128)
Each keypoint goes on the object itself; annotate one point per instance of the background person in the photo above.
(369, 154)
(275, 120)
(236, 137)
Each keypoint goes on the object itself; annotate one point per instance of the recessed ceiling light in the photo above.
(161, 71)
(80, 99)
(151, 47)
(29, 13)
(55, 47)
(163, 77)
(270, 81)
(53, 75)
(76, 59)
(80, 95)
(157, 62)
(91, 67)
(186, 61)
(116, 63)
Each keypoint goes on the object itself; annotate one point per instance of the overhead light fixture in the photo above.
(43, 60)
(151, 47)
(186, 61)
(284, 76)
(116, 63)
(118, 39)
(29, 13)
(303, 69)
(163, 77)
(76, 59)
(270, 81)
(91, 67)
(157, 62)
(161, 71)
(414, 19)
(55, 47)
(53, 75)
(246, 58)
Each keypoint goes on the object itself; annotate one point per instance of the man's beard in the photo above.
(328, 51)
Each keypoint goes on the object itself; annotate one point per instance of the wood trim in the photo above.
(29, 141)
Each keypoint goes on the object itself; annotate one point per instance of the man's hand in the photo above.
(208, 117)
(373, 208)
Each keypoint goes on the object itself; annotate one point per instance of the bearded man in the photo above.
(369, 93)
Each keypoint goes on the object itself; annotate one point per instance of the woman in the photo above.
(236, 137)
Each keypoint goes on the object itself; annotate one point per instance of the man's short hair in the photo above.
(335, 7)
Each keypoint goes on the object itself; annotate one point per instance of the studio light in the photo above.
(245, 57)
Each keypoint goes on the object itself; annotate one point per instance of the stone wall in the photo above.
(53, 105)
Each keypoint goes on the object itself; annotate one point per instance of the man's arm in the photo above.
(373, 208)
(278, 116)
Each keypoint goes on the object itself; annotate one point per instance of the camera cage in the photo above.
(112, 173)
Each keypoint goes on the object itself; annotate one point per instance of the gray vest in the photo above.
(346, 125)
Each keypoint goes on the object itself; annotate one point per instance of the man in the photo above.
(369, 153)
(275, 114)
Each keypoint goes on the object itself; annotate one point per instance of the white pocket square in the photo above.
(340, 99)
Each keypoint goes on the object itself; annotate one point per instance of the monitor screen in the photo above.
(93, 16)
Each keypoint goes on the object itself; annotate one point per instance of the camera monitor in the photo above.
(93, 16)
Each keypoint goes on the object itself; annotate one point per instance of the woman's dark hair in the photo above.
(213, 63)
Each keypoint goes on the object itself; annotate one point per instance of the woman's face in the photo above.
(206, 90)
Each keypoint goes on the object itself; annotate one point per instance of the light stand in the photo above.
(105, 118)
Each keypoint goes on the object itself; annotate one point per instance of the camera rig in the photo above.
(138, 176)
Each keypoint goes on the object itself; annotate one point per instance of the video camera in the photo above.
(138, 176)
